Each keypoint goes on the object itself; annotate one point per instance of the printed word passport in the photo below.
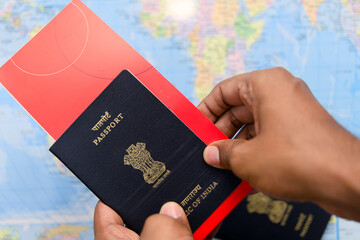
(135, 155)
(136, 142)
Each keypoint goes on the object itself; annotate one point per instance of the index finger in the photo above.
(225, 95)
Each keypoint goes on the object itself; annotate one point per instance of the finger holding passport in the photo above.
(129, 135)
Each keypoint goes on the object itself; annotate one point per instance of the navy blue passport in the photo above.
(261, 217)
(134, 154)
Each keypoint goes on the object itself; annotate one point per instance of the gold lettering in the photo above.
(191, 195)
(108, 128)
(107, 116)
(208, 190)
(307, 225)
(166, 173)
(160, 180)
(189, 210)
(196, 203)
(300, 221)
(286, 215)
(101, 122)
(198, 200)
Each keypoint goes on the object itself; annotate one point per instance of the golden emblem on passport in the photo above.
(139, 158)
(262, 204)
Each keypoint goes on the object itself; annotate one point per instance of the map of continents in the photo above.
(195, 44)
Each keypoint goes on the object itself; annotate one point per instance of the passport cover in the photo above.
(261, 217)
(60, 71)
(135, 155)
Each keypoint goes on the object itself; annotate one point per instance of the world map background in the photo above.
(194, 44)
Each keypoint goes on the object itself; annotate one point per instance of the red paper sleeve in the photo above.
(57, 74)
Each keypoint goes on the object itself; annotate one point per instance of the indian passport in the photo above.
(140, 143)
(131, 151)
(260, 217)
(66, 66)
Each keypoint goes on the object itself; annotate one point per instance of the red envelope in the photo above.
(58, 73)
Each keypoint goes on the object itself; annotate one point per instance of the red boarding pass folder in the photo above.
(59, 72)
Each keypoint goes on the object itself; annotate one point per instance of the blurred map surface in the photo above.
(194, 44)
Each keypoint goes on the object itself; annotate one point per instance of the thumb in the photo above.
(171, 223)
(225, 153)
(174, 210)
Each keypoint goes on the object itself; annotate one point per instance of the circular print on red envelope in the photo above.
(62, 43)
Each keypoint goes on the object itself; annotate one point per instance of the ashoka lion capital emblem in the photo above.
(262, 204)
(139, 158)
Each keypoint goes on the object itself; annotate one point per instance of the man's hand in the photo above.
(108, 225)
(290, 148)
(171, 223)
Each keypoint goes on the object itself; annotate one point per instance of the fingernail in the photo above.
(171, 209)
(211, 155)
